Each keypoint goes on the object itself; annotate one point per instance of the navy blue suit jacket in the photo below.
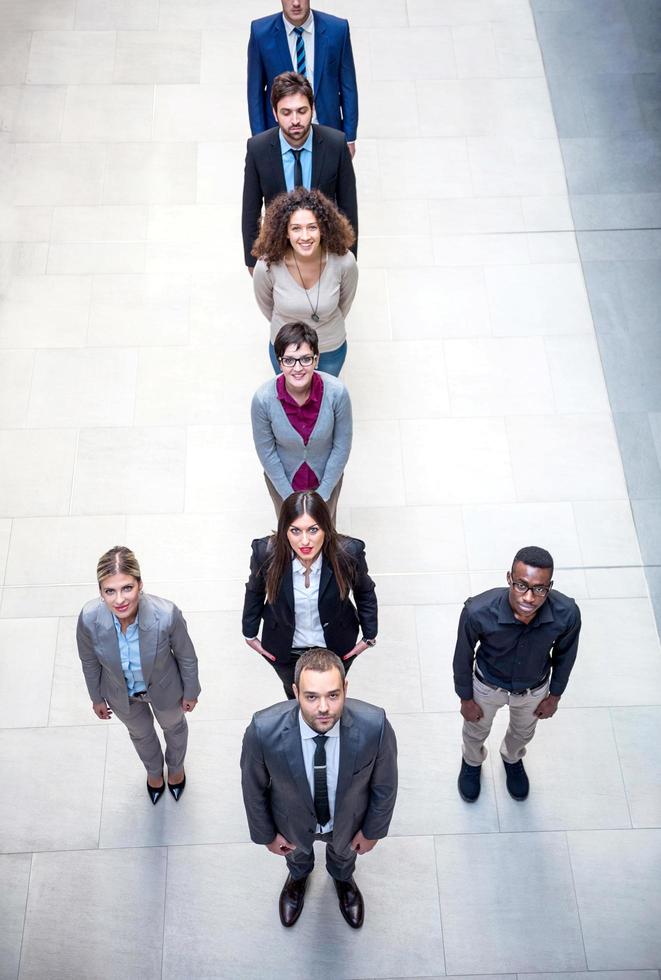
(335, 90)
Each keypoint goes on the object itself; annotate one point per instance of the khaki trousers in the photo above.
(331, 503)
(520, 730)
(140, 722)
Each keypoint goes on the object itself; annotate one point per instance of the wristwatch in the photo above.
(370, 643)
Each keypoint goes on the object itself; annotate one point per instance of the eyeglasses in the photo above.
(523, 587)
(304, 361)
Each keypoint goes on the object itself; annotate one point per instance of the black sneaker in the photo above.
(468, 782)
(517, 781)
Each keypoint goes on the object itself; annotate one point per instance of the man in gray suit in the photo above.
(324, 769)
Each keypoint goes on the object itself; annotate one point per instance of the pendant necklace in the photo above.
(315, 316)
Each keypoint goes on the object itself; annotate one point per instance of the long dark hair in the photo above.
(280, 553)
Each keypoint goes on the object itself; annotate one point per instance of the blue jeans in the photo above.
(331, 361)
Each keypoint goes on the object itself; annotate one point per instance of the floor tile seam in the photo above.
(620, 767)
(106, 731)
(419, 663)
(165, 908)
(25, 914)
(52, 676)
(575, 894)
(440, 905)
(467, 836)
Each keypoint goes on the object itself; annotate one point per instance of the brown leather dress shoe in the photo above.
(351, 902)
(292, 897)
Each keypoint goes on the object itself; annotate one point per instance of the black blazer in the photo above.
(340, 619)
(264, 178)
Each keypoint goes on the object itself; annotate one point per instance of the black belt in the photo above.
(496, 687)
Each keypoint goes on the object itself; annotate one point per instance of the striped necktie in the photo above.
(321, 806)
(300, 51)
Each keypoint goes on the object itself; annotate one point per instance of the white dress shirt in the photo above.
(307, 624)
(332, 747)
(308, 41)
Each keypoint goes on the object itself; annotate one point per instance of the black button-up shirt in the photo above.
(511, 654)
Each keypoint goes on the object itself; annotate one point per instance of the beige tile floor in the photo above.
(129, 349)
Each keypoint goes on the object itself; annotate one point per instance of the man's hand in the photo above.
(101, 710)
(188, 703)
(258, 648)
(280, 846)
(351, 147)
(251, 270)
(361, 844)
(548, 707)
(357, 650)
(471, 710)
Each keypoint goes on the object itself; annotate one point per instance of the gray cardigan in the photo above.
(281, 449)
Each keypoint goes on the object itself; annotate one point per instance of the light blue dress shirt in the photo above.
(332, 747)
(129, 651)
(288, 161)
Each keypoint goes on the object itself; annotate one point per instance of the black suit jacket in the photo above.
(340, 620)
(276, 792)
(264, 178)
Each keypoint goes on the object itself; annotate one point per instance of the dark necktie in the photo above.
(298, 169)
(300, 51)
(321, 806)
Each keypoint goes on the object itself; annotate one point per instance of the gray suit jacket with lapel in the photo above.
(276, 791)
(169, 663)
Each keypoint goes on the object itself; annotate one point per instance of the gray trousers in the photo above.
(520, 730)
(331, 503)
(140, 722)
(340, 865)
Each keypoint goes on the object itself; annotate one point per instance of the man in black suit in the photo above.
(294, 153)
(322, 769)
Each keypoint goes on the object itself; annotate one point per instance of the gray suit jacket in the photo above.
(280, 447)
(169, 663)
(276, 792)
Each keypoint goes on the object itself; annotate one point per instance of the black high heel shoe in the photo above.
(155, 792)
(177, 789)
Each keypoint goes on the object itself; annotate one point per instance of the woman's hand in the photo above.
(258, 648)
(101, 710)
(358, 649)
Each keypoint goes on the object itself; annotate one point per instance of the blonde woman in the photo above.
(139, 662)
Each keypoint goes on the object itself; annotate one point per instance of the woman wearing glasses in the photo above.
(306, 272)
(300, 582)
(301, 422)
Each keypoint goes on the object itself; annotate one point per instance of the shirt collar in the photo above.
(506, 613)
(315, 567)
(307, 732)
(285, 147)
(118, 625)
(307, 26)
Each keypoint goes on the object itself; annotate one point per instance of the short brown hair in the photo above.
(335, 231)
(318, 659)
(290, 83)
(295, 333)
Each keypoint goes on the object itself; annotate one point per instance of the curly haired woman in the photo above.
(305, 271)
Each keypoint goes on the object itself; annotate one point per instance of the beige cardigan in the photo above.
(282, 300)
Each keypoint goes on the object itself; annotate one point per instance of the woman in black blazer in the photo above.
(299, 585)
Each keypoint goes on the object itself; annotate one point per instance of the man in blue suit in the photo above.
(317, 46)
